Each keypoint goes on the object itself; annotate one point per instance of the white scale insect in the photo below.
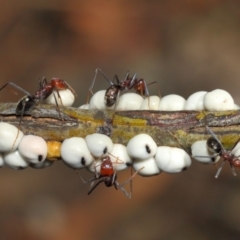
(15, 160)
(172, 102)
(33, 148)
(75, 153)
(63, 97)
(10, 137)
(172, 159)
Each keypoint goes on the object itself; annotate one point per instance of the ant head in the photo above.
(111, 95)
(25, 104)
(213, 145)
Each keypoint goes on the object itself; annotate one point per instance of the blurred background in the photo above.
(185, 46)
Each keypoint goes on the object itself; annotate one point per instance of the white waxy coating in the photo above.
(195, 101)
(41, 165)
(141, 147)
(172, 160)
(14, 160)
(97, 101)
(1, 160)
(200, 153)
(218, 100)
(149, 166)
(75, 153)
(172, 102)
(119, 157)
(66, 99)
(150, 103)
(129, 101)
(10, 137)
(99, 144)
(84, 106)
(33, 148)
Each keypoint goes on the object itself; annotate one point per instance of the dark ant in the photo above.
(108, 175)
(44, 91)
(216, 147)
(113, 92)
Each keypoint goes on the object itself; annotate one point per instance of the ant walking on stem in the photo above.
(108, 175)
(113, 92)
(43, 92)
(215, 146)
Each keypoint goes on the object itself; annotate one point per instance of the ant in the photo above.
(113, 92)
(215, 146)
(43, 92)
(108, 175)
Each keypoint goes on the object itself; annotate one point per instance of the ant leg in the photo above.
(85, 181)
(57, 106)
(100, 181)
(219, 170)
(71, 89)
(98, 70)
(128, 180)
(233, 170)
(118, 186)
(42, 83)
(16, 86)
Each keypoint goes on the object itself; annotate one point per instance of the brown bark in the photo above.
(167, 128)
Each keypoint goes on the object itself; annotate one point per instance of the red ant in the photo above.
(216, 147)
(108, 175)
(45, 89)
(113, 92)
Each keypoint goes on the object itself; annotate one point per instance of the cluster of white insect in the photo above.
(19, 151)
(96, 152)
(141, 152)
(216, 100)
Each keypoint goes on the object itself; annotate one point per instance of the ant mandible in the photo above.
(113, 92)
(108, 175)
(215, 146)
(43, 92)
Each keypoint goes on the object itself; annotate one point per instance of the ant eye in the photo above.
(213, 145)
(218, 100)
(172, 160)
(10, 137)
(75, 153)
(147, 167)
(33, 148)
(119, 157)
(200, 152)
(129, 101)
(99, 144)
(15, 160)
(195, 101)
(141, 147)
(172, 102)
